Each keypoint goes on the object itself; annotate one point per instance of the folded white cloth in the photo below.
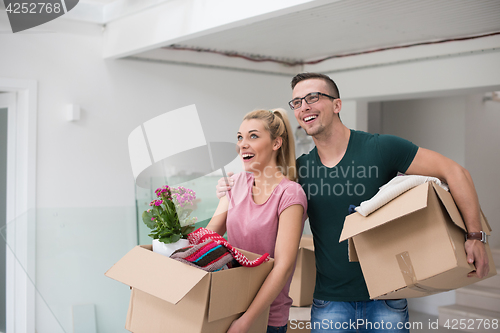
(397, 186)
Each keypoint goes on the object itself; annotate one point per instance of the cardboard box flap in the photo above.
(306, 242)
(407, 203)
(485, 224)
(450, 206)
(155, 274)
(351, 251)
(227, 298)
(233, 290)
(448, 202)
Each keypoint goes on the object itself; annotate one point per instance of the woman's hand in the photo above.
(238, 326)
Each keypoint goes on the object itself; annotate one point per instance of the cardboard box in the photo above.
(413, 246)
(170, 296)
(299, 320)
(304, 277)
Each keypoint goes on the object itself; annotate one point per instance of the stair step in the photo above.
(492, 282)
(302, 313)
(471, 319)
(478, 297)
(496, 256)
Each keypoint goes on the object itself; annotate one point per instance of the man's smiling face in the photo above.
(316, 117)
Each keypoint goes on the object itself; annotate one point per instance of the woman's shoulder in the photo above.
(242, 179)
(292, 188)
(292, 194)
(242, 176)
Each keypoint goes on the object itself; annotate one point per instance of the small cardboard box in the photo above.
(170, 296)
(413, 246)
(299, 320)
(304, 277)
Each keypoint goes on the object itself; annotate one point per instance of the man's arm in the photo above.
(430, 163)
(223, 185)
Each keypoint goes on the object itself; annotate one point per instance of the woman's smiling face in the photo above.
(255, 145)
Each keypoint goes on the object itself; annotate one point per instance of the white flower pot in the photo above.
(168, 249)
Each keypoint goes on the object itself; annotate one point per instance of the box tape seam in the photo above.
(408, 272)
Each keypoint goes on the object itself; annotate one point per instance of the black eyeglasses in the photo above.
(309, 98)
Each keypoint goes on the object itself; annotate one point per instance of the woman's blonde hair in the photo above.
(277, 123)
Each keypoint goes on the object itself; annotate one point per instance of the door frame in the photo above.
(21, 203)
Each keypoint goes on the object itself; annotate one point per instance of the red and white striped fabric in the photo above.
(201, 234)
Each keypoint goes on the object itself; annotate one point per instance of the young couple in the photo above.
(267, 208)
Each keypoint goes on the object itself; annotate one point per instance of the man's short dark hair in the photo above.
(334, 90)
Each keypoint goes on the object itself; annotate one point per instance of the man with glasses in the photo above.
(345, 168)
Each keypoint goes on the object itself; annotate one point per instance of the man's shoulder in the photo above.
(362, 135)
(361, 141)
(305, 157)
(364, 138)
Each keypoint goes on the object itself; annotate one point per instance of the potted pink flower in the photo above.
(169, 220)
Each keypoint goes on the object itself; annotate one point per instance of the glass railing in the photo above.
(61, 254)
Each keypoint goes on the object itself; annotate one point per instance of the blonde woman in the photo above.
(267, 211)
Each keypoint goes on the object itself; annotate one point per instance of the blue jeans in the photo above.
(370, 316)
(276, 329)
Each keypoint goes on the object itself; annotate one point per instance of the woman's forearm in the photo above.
(270, 289)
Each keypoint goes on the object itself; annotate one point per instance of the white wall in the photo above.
(422, 78)
(482, 157)
(85, 189)
(76, 158)
(354, 114)
(433, 123)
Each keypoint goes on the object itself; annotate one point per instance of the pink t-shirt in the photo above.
(254, 227)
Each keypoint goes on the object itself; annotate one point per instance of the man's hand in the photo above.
(224, 185)
(476, 254)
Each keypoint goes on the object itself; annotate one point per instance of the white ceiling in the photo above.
(292, 30)
(350, 26)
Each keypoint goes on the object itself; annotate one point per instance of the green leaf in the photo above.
(171, 239)
(146, 218)
(165, 233)
(175, 238)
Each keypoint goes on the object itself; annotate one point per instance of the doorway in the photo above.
(19, 97)
(3, 211)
